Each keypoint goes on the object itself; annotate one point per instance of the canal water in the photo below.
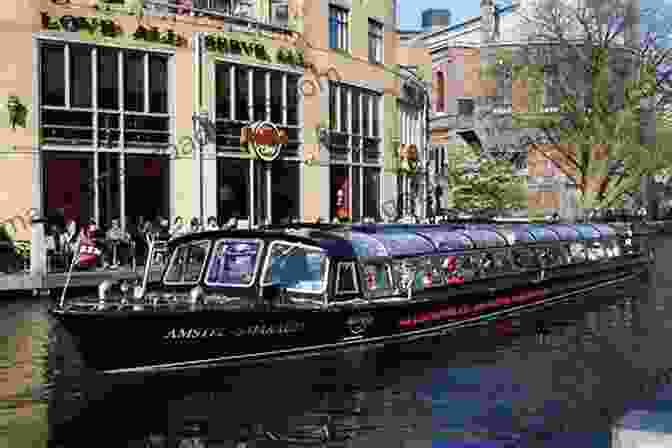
(564, 376)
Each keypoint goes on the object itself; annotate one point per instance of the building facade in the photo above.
(159, 109)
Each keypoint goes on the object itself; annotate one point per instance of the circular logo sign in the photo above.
(267, 140)
(358, 324)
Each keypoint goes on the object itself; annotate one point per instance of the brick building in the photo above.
(476, 97)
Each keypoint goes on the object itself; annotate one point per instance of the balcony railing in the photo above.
(274, 13)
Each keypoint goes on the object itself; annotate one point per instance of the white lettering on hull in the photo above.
(260, 329)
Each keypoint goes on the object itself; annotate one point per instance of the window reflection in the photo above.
(80, 76)
(158, 80)
(108, 79)
(135, 81)
(223, 91)
(53, 75)
(243, 91)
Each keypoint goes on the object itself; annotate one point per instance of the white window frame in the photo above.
(233, 97)
(376, 31)
(121, 148)
(353, 269)
(256, 264)
(374, 100)
(174, 254)
(236, 151)
(302, 246)
(342, 17)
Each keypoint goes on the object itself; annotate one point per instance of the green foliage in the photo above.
(494, 187)
(616, 132)
(5, 235)
(23, 249)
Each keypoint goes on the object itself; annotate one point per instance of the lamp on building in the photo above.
(70, 24)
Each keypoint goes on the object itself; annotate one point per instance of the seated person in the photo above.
(90, 252)
(116, 240)
(54, 245)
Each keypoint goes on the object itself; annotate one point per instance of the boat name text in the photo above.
(260, 329)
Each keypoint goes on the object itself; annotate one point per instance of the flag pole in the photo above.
(75, 260)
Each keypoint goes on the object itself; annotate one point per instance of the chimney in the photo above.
(488, 25)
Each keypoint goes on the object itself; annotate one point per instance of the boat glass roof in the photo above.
(516, 233)
(543, 233)
(484, 238)
(448, 240)
(404, 243)
(587, 231)
(565, 231)
(365, 245)
(605, 230)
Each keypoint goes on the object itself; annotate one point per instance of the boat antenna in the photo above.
(75, 260)
(148, 263)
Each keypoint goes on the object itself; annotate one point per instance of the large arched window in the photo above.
(439, 91)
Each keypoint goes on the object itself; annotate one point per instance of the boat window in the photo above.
(187, 263)
(346, 279)
(297, 267)
(234, 263)
(377, 276)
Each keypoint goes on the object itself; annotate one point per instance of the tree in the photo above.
(587, 76)
(477, 183)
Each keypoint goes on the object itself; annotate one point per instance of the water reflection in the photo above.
(551, 378)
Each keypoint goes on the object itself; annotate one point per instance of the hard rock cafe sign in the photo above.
(408, 159)
(265, 140)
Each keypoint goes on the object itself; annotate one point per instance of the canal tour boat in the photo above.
(240, 295)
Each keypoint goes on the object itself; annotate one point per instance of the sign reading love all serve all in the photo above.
(111, 29)
(221, 43)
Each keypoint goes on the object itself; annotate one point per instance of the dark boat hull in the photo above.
(139, 341)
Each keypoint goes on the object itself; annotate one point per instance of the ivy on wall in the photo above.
(17, 112)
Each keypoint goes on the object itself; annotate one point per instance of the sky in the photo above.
(410, 10)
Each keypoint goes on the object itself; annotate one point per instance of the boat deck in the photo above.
(25, 282)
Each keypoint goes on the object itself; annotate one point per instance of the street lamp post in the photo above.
(200, 127)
